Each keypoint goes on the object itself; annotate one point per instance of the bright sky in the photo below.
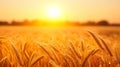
(73, 10)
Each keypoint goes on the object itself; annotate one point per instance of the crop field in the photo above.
(59, 47)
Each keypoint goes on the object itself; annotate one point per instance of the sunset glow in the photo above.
(53, 13)
(72, 10)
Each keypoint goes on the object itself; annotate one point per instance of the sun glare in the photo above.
(53, 13)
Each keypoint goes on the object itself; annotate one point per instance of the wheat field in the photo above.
(59, 47)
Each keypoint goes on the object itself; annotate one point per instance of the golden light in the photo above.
(54, 15)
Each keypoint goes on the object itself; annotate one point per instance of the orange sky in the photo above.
(73, 10)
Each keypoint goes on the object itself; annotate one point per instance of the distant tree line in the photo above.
(41, 23)
(93, 23)
(101, 22)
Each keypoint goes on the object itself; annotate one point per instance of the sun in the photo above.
(54, 13)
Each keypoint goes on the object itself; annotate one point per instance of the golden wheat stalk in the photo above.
(73, 54)
(73, 48)
(17, 54)
(66, 58)
(95, 51)
(107, 48)
(56, 57)
(47, 52)
(70, 60)
(35, 60)
(55, 49)
(82, 46)
(53, 64)
(61, 55)
(86, 58)
(66, 62)
(97, 40)
(117, 55)
(23, 47)
(30, 59)
(26, 54)
(3, 59)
